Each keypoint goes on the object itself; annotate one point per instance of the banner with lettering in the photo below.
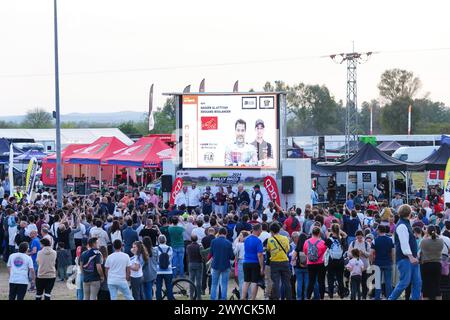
(272, 190)
(177, 185)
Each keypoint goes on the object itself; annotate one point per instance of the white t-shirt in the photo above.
(101, 234)
(181, 198)
(136, 260)
(193, 197)
(20, 264)
(117, 264)
(269, 214)
(200, 233)
(81, 233)
(29, 228)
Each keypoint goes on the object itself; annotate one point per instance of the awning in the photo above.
(147, 152)
(97, 151)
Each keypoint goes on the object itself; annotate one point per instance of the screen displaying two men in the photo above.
(222, 131)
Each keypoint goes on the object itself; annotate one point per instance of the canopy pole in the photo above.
(87, 178)
(100, 177)
(128, 178)
(407, 187)
(346, 185)
(114, 175)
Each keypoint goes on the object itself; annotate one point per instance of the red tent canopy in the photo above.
(147, 152)
(70, 149)
(97, 151)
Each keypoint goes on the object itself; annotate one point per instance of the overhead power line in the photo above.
(212, 65)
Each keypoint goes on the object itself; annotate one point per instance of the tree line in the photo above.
(312, 110)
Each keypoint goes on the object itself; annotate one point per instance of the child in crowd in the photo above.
(356, 268)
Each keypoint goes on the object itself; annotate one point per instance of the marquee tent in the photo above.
(4, 150)
(28, 155)
(97, 151)
(389, 146)
(436, 161)
(147, 152)
(370, 158)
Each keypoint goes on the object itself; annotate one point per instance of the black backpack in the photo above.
(164, 259)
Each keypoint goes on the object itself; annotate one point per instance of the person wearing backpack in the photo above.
(336, 244)
(298, 261)
(164, 270)
(364, 253)
(280, 272)
(314, 249)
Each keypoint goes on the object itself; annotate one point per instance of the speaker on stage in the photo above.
(287, 184)
(166, 183)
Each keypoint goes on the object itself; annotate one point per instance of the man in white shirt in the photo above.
(117, 267)
(20, 266)
(199, 231)
(194, 196)
(188, 227)
(182, 197)
(406, 250)
(100, 234)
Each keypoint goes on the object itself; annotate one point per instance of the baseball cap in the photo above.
(259, 122)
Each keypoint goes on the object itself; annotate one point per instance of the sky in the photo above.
(111, 51)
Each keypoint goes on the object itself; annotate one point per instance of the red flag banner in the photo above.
(177, 185)
(272, 190)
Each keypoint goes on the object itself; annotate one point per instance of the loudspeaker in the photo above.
(287, 184)
(166, 183)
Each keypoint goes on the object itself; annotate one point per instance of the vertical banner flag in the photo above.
(151, 121)
(177, 185)
(447, 182)
(272, 189)
(11, 169)
(31, 176)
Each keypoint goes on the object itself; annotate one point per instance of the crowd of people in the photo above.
(132, 242)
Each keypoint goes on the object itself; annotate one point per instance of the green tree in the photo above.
(394, 117)
(7, 125)
(398, 84)
(164, 119)
(312, 109)
(38, 118)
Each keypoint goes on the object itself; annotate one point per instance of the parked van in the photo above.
(414, 154)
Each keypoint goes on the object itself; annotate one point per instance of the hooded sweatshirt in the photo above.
(46, 259)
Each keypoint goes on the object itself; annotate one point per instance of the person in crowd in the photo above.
(406, 251)
(139, 258)
(117, 271)
(164, 269)
(176, 232)
(382, 256)
(221, 252)
(278, 249)
(20, 266)
(430, 264)
(64, 260)
(356, 268)
(103, 293)
(314, 249)
(253, 265)
(91, 267)
(363, 247)
(130, 236)
(336, 243)
(149, 268)
(195, 266)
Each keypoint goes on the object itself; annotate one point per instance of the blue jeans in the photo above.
(148, 290)
(386, 274)
(302, 283)
(114, 288)
(223, 277)
(167, 278)
(409, 274)
(177, 261)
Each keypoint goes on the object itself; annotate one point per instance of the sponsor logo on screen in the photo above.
(371, 162)
(209, 123)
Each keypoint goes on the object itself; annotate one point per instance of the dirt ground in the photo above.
(63, 291)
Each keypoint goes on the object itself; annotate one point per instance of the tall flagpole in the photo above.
(371, 120)
(59, 181)
(409, 120)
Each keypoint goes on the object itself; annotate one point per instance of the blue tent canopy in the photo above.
(4, 150)
(27, 156)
